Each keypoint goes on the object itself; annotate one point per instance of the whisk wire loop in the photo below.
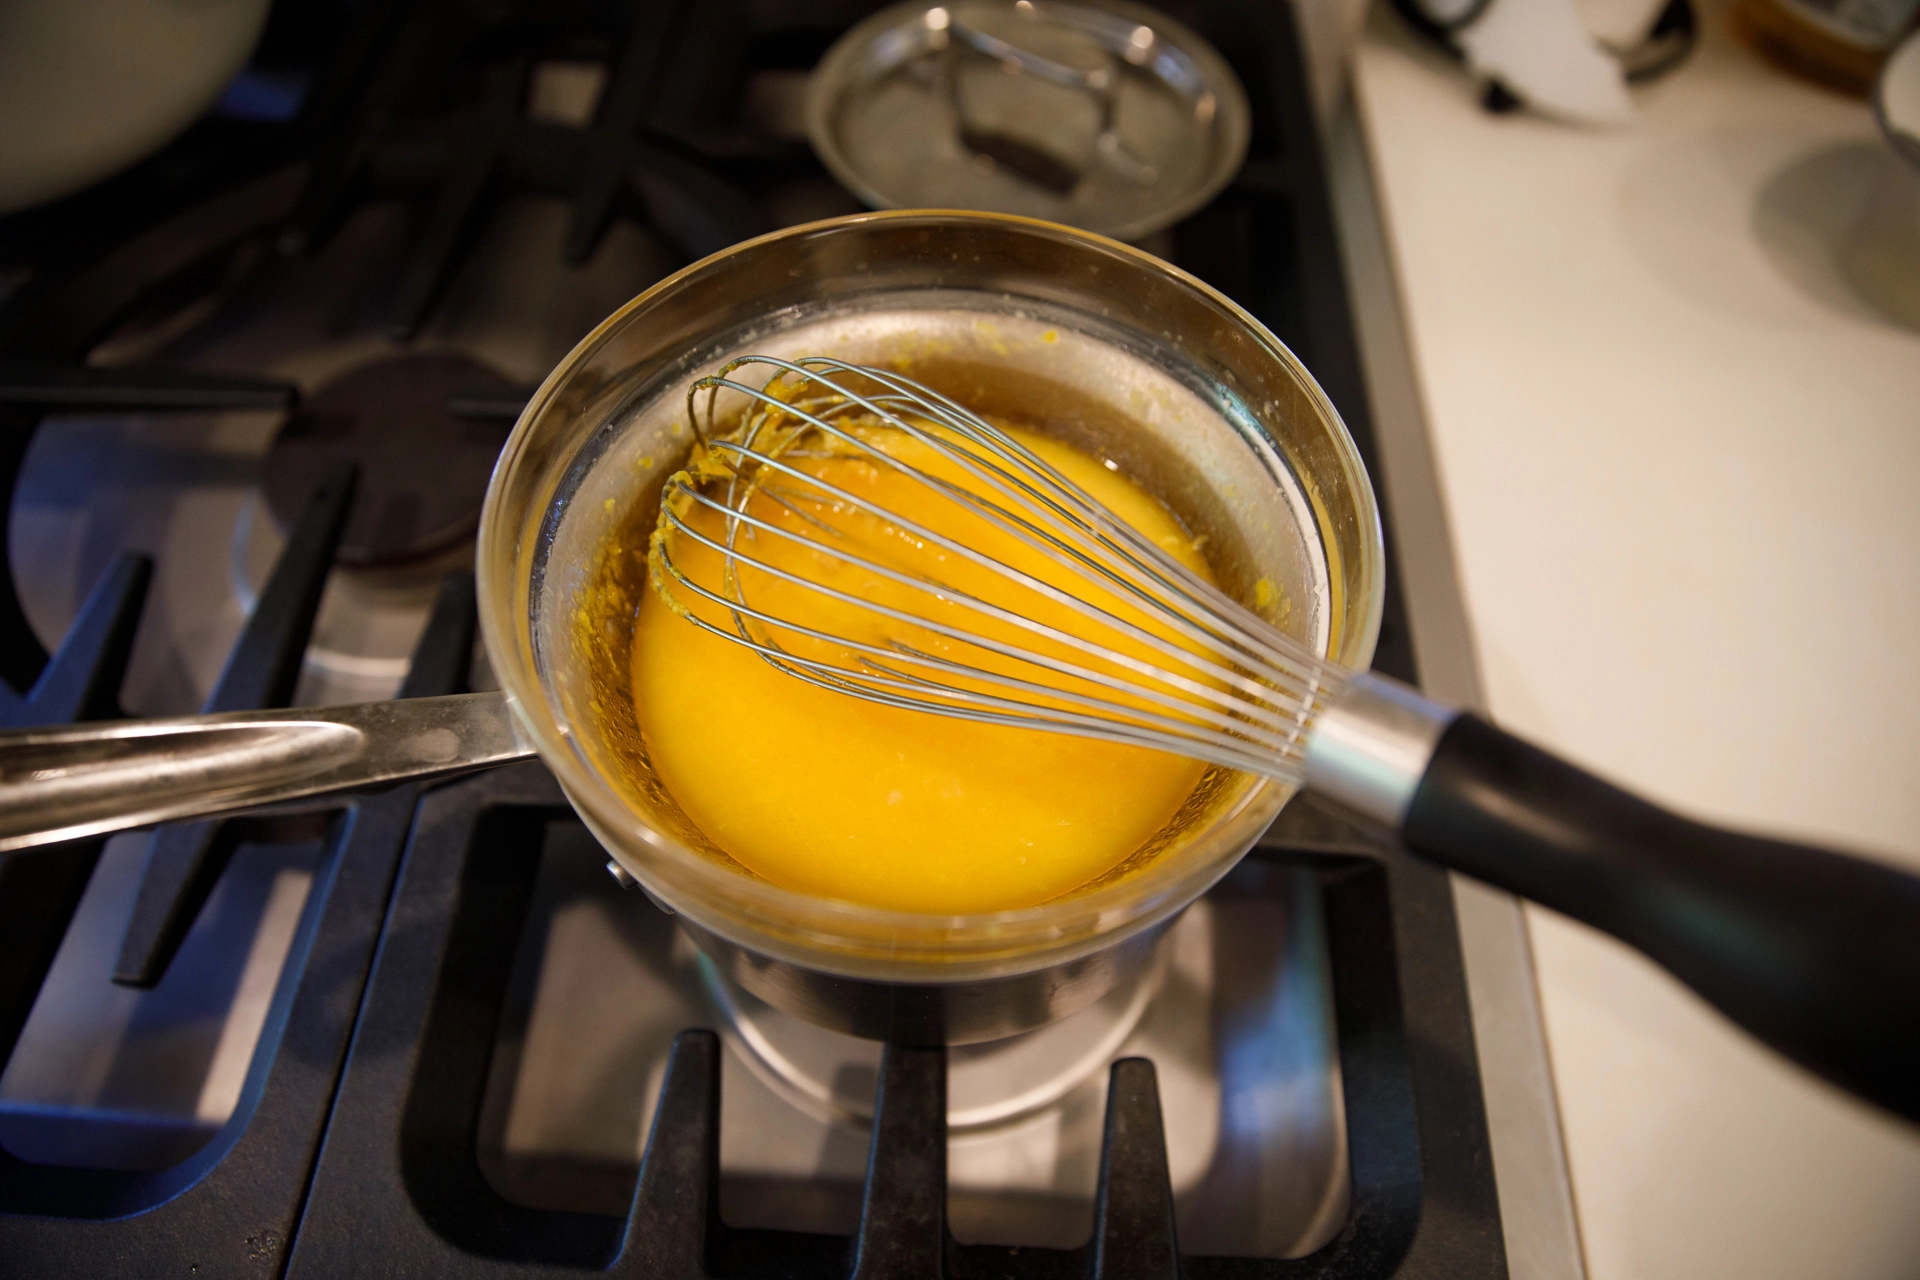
(1048, 662)
(1138, 728)
(1210, 679)
(1066, 503)
(1168, 572)
(1085, 608)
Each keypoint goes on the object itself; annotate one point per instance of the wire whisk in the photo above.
(866, 534)
(873, 538)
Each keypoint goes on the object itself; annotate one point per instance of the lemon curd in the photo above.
(888, 807)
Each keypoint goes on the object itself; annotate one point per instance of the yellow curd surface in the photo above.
(831, 795)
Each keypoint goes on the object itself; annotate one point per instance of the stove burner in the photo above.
(423, 470)
(989, 1085)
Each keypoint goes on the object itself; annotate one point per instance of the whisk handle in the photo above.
(1815, 953)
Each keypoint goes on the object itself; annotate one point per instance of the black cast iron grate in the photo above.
(352, 1150)
(398, 1178)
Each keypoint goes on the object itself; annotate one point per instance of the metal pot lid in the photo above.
(1097, 113)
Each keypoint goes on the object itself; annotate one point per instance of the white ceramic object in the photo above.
(1882, 256)
(89, 86)
(1896, 101)
(1541, 50)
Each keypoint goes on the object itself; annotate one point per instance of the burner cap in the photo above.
(423, 471)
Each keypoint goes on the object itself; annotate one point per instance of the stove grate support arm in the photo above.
(184, 861)
(903, 1217)
(676, 1202)
(1133, 1227)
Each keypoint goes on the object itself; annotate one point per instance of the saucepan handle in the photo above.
(91, 779)
(1815, 953)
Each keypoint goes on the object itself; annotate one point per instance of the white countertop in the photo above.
(1680, 463)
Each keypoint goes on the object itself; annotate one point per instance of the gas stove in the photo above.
(251, 391)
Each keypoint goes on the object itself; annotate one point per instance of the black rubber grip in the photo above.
(1815, 953)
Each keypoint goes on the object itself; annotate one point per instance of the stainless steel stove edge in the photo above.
(1538, 1217)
